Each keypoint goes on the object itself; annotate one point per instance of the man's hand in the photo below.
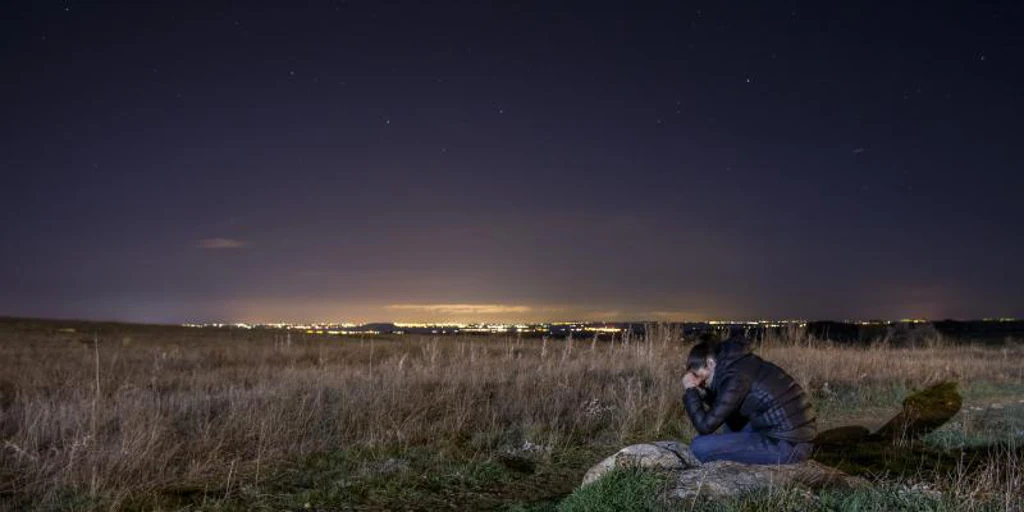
(691, 380)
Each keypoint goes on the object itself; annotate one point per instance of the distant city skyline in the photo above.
(514, 325)
(993, 328)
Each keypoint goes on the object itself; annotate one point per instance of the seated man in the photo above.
(767, 416)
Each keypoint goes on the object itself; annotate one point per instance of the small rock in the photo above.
(923, 489)
(528, 447)
(388, 466)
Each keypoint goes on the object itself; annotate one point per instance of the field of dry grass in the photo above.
(112, 416)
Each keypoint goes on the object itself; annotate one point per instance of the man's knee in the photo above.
(702, 446)
(801, 452)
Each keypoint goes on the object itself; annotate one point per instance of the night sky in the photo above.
(477, 160)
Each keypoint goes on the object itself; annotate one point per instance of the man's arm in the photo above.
(733, 390)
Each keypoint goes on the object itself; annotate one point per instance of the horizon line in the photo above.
(512, 322)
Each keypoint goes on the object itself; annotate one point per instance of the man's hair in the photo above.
(699, 354)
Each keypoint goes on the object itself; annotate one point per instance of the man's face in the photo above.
(706, 374)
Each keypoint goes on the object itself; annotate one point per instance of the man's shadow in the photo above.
(897, 447)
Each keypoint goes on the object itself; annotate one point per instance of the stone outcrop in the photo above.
(662, 455)
(689, 478)
(723, 479)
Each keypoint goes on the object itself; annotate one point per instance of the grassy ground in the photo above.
(101, 416)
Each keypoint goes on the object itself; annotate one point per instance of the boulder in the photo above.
(663, 455)
(723, 479)
(689, 478)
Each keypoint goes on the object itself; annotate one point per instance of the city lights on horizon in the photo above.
(566, 327)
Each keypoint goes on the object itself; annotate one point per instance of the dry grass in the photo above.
(132, 414)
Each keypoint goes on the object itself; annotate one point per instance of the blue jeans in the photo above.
(748, 447)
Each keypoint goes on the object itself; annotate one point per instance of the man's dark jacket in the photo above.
(746, 388)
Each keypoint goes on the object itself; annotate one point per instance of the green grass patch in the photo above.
(428, 477)
(621, 490)
(974, 428)
(638, 490)
(879, 499)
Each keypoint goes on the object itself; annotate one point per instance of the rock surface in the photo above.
(665, 455)
(691, 479)
(722, 479)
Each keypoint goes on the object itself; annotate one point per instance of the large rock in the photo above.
(690, 479)
(723, 479)
(663, 455)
